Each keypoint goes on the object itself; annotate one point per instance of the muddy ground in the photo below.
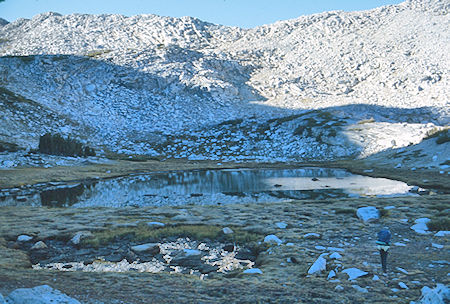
(284, 278)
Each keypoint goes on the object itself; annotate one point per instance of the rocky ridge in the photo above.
(152, 85)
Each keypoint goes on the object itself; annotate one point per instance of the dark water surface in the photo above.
(206, 187)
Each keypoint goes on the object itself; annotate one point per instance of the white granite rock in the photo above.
(43, 294)
(442, 233)
(272, 239)
(403, 285)
(331, 274)
(24, 238)
(76, 239)
(312, 236)
(318, 266)
(156, 224)
(368, 214)
(39, 245)
(354, 273)
(227, 230)
(253, 271)
(335, 255)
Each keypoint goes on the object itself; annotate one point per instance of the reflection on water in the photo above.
(212, 187)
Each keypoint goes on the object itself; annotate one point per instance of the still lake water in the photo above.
(207, 187)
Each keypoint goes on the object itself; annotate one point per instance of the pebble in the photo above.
(312, 236)
(253, 271)
(39, 245)
(402, 270)
(375, 278)
(320, 247)
(438, 246)
(335, 255)
(156, 224)
(339, 288)
(360, 289)
(399, 244)
(332, 274)
(402, 285)
(281, 225)
(227, 230)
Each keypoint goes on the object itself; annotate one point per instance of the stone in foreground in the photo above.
(368, 214)
(319, 265)
(43, 294)
(354, 273)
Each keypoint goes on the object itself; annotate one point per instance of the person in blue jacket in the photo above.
(383, 243)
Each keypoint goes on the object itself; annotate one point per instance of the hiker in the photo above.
(384, 237)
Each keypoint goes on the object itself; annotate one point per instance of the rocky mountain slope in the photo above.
(330, 85)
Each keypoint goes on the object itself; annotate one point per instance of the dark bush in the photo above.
(55, 144)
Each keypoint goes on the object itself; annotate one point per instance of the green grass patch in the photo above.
(345, 211)
(145, 233)
(97, 53)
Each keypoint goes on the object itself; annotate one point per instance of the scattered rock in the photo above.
(402, 270)
(375, 278)
(114, 258)
(438, 295)
(281, 225)
(39, 245)
(335, 255)
(312, 236)
(149, 248)
(442, 233)
(360, 289)
(253, 271)
(272, 239)
(43, 294)
(339, 288)
(76, 239)
(24, 238)
(403, 285)
(368, 214)
(319, 265)
(354, 273)
(227, 230)
(191, 252)
(155, 224)
(421, 225)
(2, 300)
(438, 246)
(332, 274)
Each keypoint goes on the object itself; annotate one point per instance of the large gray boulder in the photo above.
(368, 214)
(43, 294)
